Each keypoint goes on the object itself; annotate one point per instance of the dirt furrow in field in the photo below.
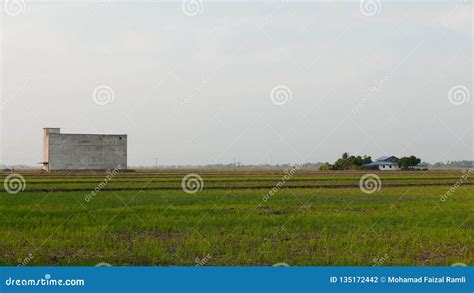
(348, 186)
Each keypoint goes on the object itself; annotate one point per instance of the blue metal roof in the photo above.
(373, 164)
(383, 158)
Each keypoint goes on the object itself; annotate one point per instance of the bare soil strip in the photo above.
(348, 186)
(148, 179)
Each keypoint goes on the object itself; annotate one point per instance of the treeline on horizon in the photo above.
(308, 165)
(350, 162)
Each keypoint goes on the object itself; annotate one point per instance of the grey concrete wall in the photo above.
(46, 132)
(86, 151)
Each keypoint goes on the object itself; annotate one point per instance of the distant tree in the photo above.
(407, 162)
(325, 167)
(347, 162)
(342, 163)
(359, 161)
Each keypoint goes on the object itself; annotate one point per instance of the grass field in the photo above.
(238, 218)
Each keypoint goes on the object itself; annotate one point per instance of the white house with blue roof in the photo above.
(386, 163)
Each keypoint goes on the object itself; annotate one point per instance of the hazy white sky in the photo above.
(192, 82)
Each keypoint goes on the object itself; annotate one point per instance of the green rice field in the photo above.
(240, 217)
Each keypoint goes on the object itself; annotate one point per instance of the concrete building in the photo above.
(66, 151)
